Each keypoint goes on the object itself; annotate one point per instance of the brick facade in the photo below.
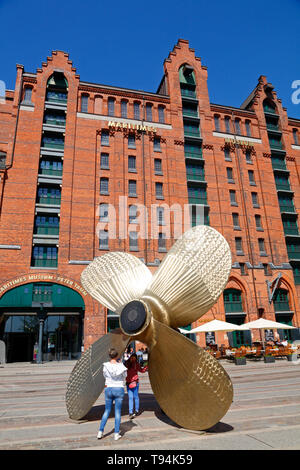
(23, 127)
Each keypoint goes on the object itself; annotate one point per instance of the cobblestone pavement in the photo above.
(265, 413)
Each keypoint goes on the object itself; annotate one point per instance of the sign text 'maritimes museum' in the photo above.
(42, 277)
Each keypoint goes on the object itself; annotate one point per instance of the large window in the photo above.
(104, 161)
(124, 109)
(104, 137)
(111, 106)
(233, 301)
(161, 114)
(84, 103)
(136, 108)
(132, 188)
(49, 195)
(133, 241)
(132, 163)
(44, 256)
(159, 191)
(46, 225)
(104, 185)
(103, 240)
(148, 112)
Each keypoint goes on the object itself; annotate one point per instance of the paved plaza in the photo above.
(265, 414)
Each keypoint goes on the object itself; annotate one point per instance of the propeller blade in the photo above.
(189, 384)
(192, 276)
(86, 381)
(115, 279)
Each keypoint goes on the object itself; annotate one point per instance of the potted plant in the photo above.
(268, 358)
(291, 355)
(240, 358)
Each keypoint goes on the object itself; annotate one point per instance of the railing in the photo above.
(291, 231)
(50, 172)
(45, 263)
(53, 145)
(197, 200)
(281, 306)
(195, 177)
(293, 254)
(56, 97)
(277, 165)
(233, 307)
(192, 133)
(189, 112)
(55, 122)
(46, 230)
(193, 154)
(49, 200)
(268, 109)
(273, 127)
(188, 93)
(276, 145)
(297, 278)
(286, 207)
(283, 186)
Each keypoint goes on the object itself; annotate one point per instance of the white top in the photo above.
(114, 373)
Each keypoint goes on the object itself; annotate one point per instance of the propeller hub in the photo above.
(133, 317)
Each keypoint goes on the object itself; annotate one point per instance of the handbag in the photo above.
(132, 385)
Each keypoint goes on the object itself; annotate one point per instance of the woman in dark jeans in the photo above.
(132, 382)
(114, 373)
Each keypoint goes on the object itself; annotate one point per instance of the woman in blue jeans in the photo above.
(115, 374)
(132, 382)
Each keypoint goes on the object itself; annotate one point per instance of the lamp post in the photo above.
(41, 316)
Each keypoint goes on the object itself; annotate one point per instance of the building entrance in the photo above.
(56, 311)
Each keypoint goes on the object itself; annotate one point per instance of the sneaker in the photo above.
(100, 434)
(117, 436)
(131, 416)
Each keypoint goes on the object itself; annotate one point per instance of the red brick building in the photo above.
(68, 148)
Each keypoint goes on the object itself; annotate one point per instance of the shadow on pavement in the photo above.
(147, 403)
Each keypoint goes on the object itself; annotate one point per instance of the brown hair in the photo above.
(113, 353)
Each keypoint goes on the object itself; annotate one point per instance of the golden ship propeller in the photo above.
(190, 386)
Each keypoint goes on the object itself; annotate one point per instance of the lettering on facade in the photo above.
(241, 143)
(42, 277)
(119, 126)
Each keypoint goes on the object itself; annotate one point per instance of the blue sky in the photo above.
(124, 43)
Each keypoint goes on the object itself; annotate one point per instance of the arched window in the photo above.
(269, 106)
(136, 108)
(124, 109)
(27, 94)
(57, 88)
(161, 114)
(187, 81)
(237, 124)
(217, 122)
(111, 106)
(84, 103)
(295, 136)
(227, 124)
(132, 214)
(233, 300)
(281, 300)
(149, 116)
(103, 212)
(248, 127)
